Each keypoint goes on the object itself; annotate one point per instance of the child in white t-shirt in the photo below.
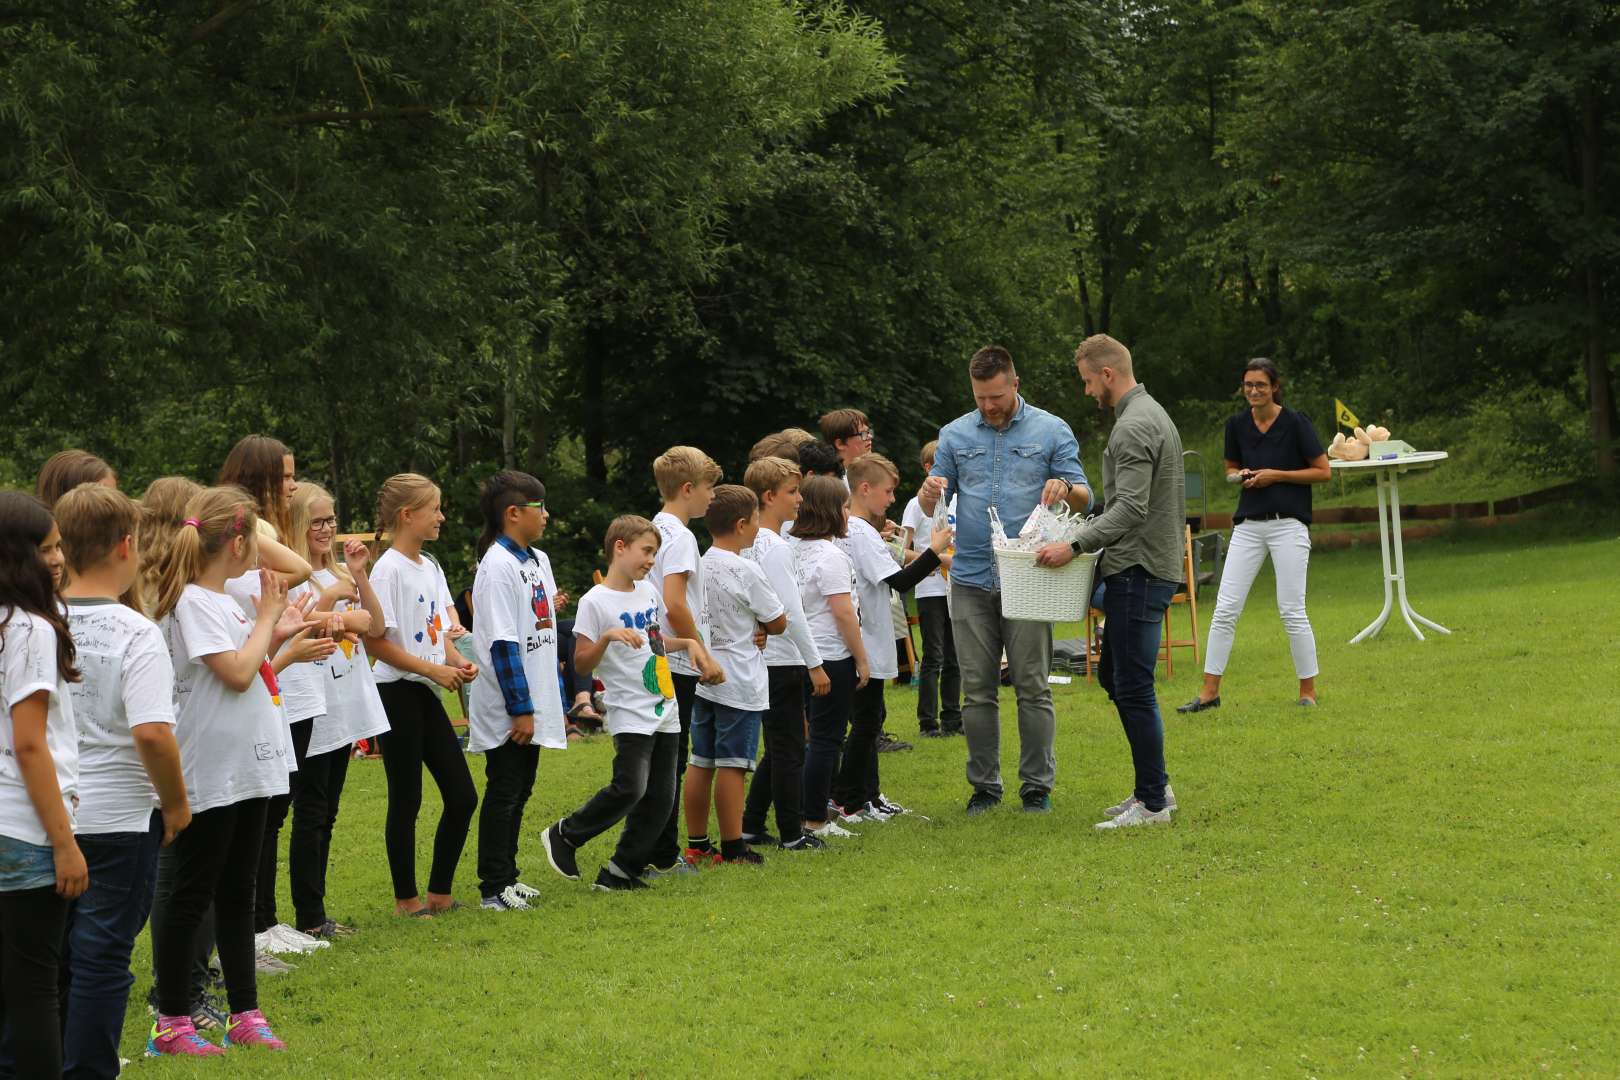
(233, 754)
(520, 710)
(419, 621)
(686, 477)
(872, 480)
(618, 635)
(939, 683)
(352, 708)
(41, 867)
(791, 661)
(737, 603)
(132, 792)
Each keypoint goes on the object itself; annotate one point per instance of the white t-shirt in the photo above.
(796, 646)
(128, 681)
(233, 745)
(415, 598)
(874, 564)
(922, 532)
(27, 666)
(636, 687)
(736, 597)
(354, 710)
(302, 694)
(512, 601)
(678, 554)
(822, 570)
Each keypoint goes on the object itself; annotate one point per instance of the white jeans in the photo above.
(1289, 543)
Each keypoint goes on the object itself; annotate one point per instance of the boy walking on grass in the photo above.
(738, 602)
(618, 635)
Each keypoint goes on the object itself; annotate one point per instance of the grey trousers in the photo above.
(981, 637)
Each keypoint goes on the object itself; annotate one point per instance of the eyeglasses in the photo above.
(1257, 386)
(322, 524)
(541, 505)
(868, 435)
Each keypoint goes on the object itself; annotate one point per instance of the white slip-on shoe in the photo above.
(1136, 814)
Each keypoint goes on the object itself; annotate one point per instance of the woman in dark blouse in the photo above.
(1276, 454)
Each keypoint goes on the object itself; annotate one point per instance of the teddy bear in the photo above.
(1358, 446)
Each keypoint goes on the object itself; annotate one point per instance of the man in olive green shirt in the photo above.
(1141, 532)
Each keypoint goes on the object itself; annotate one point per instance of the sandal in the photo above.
(585, 711)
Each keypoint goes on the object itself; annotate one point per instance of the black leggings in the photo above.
(32, 922)
(215, 859)
(420, 734)
(857, 782)
(314, 813)
(829, 717)
(779, 779)
(275, 815)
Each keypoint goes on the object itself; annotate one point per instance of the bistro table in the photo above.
(1387, 471)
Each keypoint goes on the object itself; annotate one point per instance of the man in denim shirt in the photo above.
(1010, 455)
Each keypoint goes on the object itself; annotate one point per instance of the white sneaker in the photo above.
(284, 939)
(889, 806)
(1119, 808)
(1136, 814)
(506, 900)
(873, 813)
(528, 892)
(830, 829)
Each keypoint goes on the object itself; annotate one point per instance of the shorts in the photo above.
(25, 866)
(724, 737)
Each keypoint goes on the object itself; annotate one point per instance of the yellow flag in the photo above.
(1343, 416)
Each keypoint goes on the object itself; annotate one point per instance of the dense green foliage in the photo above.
(565, 235)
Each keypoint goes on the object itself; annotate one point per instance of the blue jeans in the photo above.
(1134, 603)
(101, 929)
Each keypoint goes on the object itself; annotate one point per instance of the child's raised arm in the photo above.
(274, 555)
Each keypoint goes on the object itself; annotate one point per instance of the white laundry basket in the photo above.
(1041, 593)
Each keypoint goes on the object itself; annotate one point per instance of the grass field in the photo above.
(1415, 879)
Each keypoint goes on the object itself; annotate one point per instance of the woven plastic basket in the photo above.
(1040, 593)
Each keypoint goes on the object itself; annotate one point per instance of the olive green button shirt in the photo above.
(1144, 516)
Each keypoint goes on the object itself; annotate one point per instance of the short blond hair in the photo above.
(870, 469)
(93, 519)
(682, 465)
(1101, 351)
(626, 528)
(930, 450)
(770, 473)
(782, 444)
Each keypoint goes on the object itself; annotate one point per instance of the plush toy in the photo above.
(1358, 446)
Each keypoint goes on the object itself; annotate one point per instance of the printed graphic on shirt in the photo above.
(655, 673)
(434, 624)
(542, 606)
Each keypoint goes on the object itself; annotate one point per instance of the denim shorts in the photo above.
(724, 737)
(25, 866)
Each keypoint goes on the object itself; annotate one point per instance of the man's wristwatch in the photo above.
(1074, 546)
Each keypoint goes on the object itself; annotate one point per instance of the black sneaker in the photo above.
(1037, 802)
(207, 1016)
(745, 857)
(889, 744)
(608, 881)
(952, 732)
(982, 801)
(931, 733)
(804, 842)
(559, 853)
(761, 839)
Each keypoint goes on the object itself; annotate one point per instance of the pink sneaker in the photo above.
(251, 1029)
(177, 1035)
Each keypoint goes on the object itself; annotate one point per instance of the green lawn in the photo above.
(1417, 878)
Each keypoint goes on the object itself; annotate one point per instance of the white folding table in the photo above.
(1387, 473)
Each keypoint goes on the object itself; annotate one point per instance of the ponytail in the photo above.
(213, 518)
(505, 489)
(401, 492)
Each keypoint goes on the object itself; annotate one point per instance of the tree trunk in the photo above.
(508, 416)
(1599, 392)
(1086, 322)
(595, 348)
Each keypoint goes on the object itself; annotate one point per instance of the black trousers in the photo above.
(420, 735)
(275, 816)
(857, 781)
(640, 794)
(668, 847)
(779, 778)
(939, 680)
(314, 814)
(509, 771)
(202, 945)
(829, 719)
(215, 859)
(32, 923)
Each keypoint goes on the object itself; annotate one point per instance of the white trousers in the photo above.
(1288, 542)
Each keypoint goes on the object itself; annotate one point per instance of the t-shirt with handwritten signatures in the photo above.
(27, 666)
(233, 746)
(128, 681)
(354, 710)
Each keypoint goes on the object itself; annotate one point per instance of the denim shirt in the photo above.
(1006, 469)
